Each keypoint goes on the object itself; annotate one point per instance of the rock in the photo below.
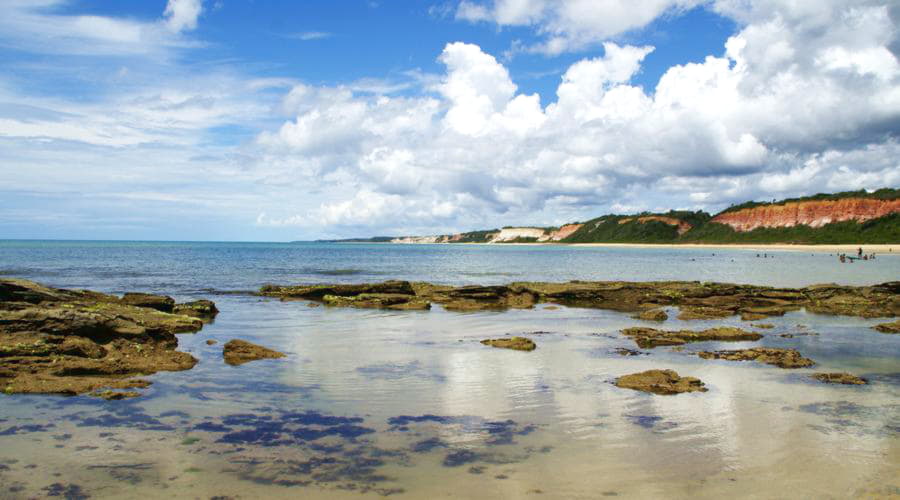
(211, 342)
(621, 351)
(116, 396)
(893, 327)
(692, 313)
(317, 292)
(204, 309)
(159, 302)
(516, 343)
(663, 382)
(477, 298)
(238, 352)
(696, 300)
(79, 341)
(839, 378)
(782, 358)
(652, 315)
(764, 326)
(651, 337)
(378, 301)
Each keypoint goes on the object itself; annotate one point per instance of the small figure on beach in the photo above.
(859, 252)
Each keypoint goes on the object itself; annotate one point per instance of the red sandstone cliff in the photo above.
(810, 213)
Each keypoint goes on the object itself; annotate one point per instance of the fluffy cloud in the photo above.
(796, 103)
(572, 24)
(181, 15)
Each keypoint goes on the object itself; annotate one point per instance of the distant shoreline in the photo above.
(850, 249)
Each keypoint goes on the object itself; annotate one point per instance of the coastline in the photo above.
(850, 249)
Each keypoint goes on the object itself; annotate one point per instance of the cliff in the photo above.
(814, 214)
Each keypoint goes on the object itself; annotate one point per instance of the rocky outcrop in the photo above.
(205, 310)
(159, 302)
(79, 341)
(782, 358)
(651, 337)
(237, 352)
(813, 213)
(665, 382)
(652, 315)
(378, 301)
(515, 343)
(695, 300)
(892, 327)
(839, 378)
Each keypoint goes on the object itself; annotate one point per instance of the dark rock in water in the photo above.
(79, 341)
(516, 343)
(699, 312)
(159, 302)
(839, 378)
(893, 327)
(211, 342)
(763, 326)
(238, 352)
(663, 382)
(115, 395)
(378, 301)
(651, 337)
(621, 351)
(695, 299)
(652, 315)
(203, 309)
(782, 358)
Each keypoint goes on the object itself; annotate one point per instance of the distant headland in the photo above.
(852, 217)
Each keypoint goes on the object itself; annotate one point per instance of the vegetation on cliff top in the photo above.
(881, 194)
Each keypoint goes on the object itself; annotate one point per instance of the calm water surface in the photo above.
(409, 404)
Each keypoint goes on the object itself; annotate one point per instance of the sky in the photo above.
(263, 120)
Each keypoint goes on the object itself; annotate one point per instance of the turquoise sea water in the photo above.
(409, 404)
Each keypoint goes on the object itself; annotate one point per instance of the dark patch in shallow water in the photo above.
(651, 422)
(460, 457)
(427, 445)
(24, 429)
(67, 491)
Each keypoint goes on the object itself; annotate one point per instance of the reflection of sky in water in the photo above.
(409, 403)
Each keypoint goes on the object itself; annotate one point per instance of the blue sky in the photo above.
(266, 120)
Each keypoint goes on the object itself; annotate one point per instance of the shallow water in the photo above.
(409, 404)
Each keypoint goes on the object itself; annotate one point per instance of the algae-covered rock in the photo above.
(782, 358)
(893, 327)
(237, 352)
(516, 343)
(652, 315)
(651, 337)
(688, 313)
(378, 301)
(79, 341)
(763, 326)
(696, 300)
(206, 310)
(663, 382)
(839, 378)
(162, 303)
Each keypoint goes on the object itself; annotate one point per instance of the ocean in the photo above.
(409, 404)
